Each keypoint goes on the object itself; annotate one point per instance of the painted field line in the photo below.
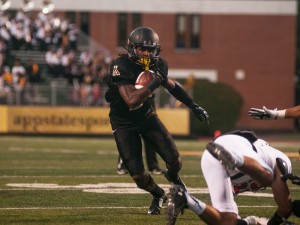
(113, 188)
(84, 176)
(112, 207)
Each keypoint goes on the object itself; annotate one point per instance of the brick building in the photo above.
(249, 45)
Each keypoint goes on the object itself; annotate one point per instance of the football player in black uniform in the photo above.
(151, 155)
(133, 117)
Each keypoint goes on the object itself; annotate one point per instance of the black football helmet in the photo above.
(146, 38)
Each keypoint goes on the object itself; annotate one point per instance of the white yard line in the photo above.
(112, 207)
(83, 176)
(113, 188)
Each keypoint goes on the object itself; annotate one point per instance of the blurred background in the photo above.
(230, 55)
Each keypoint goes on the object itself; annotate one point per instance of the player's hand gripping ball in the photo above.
(144, 79)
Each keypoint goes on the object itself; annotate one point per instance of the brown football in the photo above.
(143, 79)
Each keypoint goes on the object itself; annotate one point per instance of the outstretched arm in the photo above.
(293, 112)
(269, 114)
(180, 94)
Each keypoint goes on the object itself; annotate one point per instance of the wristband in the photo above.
(281, 114)
(154, 84)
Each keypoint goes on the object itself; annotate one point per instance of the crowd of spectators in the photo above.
(23, 32)
(84, 71)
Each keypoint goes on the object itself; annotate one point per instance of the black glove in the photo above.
(263, 114)
(161, 76)
(294, 178)
(200, 113)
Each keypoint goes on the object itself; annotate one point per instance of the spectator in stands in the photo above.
(5, 34)
(19, 80)
(18, 71)
(72, 36)
(33, 72)
(96, 94)
(85, 58)
(7, 76)
(75, 73)
(7, 84)
(53, 59)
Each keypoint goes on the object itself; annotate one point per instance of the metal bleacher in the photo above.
(25, 55)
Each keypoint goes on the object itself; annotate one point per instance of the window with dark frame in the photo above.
(122, 29)
(195, 32)
(188, 31)
(84, 22)
(71, 16)
(126, 23)
(180, 31)
(136, 20)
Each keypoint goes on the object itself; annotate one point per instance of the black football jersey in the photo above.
(124, 71)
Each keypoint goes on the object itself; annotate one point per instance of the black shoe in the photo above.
(157, 171)
(175, 181)
(156, 205)
(177, 202)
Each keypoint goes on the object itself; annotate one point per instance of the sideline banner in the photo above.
(62, 120)
(3, 119)
(76, 120)
(177, 120)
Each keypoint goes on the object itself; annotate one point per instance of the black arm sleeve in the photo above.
(180, 94)
(154, 84)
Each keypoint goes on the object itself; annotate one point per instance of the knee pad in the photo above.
(144, 181)
(175, 166)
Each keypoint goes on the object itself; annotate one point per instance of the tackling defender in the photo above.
(231, 164)
(133, 117)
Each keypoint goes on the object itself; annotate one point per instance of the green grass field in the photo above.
(63, 180)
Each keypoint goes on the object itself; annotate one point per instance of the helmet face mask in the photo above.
(143, 39)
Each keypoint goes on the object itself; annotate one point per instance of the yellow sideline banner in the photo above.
(3, 119)
(76, 120)
(176, 120)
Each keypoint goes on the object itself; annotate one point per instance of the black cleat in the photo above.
(174, 181)
(230, 160)
(156, 205)
(177, 202)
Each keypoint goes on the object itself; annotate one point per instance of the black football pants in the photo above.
(129, 144)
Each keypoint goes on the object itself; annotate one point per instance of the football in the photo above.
(143, 79)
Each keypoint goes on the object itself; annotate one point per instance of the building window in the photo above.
(136, 20)
(122, 29)
(71, 16)
(84, 22)
(180, 31)
(127, 23)
(188, 31)
(195, 31)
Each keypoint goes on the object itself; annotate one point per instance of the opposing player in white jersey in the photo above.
(233, 163)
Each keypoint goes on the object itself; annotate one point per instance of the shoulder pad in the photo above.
(119, 71)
